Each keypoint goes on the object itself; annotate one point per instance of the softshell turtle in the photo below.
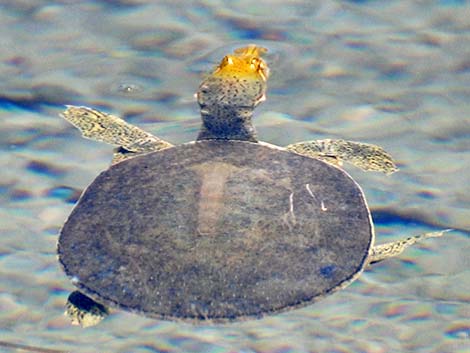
(222, 228)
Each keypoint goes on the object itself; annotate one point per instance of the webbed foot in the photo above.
(84, 311)
(384, 251)
(362, 155)
(110, 129)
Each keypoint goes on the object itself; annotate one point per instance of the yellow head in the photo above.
(244, 63)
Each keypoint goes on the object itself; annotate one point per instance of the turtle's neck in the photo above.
(227, 123)
(227, 105)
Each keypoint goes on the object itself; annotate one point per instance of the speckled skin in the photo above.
(108, 128)
(362, 155)
(84, 311)
(223, 228)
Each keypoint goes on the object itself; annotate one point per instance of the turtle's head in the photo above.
(245, 64)
(229, 94)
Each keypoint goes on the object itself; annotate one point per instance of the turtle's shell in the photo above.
(216, 230)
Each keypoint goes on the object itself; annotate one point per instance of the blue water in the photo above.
(391, 73)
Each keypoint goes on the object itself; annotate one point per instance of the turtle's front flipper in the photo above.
(84, 311)
(384, 251)
(108, 128)
(362, 155)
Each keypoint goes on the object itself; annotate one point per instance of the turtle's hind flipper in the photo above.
(108, 128)
(384, 251)
(84, 311)
(362, 155)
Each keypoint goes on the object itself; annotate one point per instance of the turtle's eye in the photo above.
(255, 62)
(260, 67)
(227, 60)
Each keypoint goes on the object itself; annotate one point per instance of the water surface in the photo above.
(385, 72)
